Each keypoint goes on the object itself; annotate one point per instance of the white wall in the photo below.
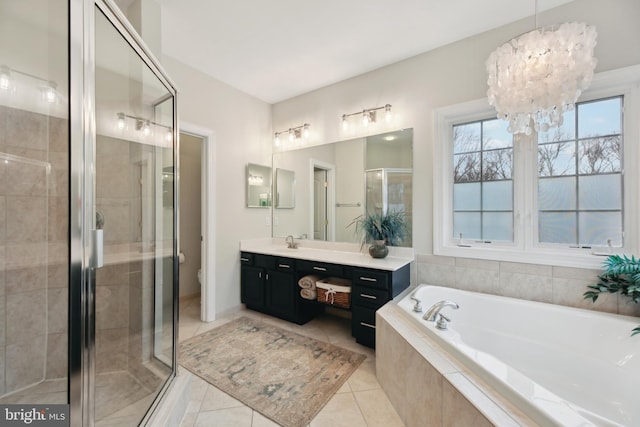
(241, 126)
(446, 76)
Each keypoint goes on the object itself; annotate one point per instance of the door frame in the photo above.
(331, 196)
(208, 219)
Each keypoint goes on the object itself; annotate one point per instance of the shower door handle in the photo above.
(98, 248)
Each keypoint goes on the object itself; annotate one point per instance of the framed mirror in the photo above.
(332, 185)
(258, 178)
(285, 189)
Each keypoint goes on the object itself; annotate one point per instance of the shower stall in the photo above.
(88, 237)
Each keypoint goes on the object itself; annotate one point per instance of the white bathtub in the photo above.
(559, 365)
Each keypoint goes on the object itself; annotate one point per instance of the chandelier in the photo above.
(536, 77)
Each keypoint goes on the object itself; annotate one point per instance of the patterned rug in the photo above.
(285, 376)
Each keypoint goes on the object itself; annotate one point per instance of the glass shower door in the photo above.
(134, 236)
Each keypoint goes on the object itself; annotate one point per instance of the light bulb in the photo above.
(345, 122)
(5, 79)
(121, 122)
(305, 131)
(169, 135)
(146, 129)
(292, 135)
(365, 118)
(387, 113)
(49, 93)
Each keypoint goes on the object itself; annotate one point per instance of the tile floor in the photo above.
(359, 403)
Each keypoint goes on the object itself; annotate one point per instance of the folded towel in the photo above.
(310, 294)
(308, 281)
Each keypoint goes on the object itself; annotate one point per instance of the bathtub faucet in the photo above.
(417, 307)
(434, 310)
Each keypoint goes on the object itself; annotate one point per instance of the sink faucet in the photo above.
(434, 310)
(291, 244)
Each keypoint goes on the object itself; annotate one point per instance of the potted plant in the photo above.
(379, 230)
(621, 275)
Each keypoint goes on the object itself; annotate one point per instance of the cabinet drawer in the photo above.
(285, 265)
(246, 258)
(363, 325)
(369, 297)
(373, 278)
(320, 268)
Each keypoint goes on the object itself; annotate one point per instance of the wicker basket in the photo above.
(334, 291)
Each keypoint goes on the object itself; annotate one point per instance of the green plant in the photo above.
(390, 227)
(621, 275)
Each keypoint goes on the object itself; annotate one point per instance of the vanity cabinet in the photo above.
(269, 284)
(371, 290)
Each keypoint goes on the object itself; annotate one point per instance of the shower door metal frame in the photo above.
(82, 256)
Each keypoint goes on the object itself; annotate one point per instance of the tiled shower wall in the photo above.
(33, 248)
(543, 283)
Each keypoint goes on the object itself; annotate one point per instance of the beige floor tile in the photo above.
(189, 420)
(215, 399)
(260, 420)
(345, 388)
(341, 411)
(230, 417)
(377, 409)
(364, 378)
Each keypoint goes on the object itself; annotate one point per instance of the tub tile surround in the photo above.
(431, 388)
(533, 282)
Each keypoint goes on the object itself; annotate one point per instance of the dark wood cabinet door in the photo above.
(252, 286)
(281, 288)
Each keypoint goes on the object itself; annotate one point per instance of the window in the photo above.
(483, 186)
(558, 197)
(580, 177)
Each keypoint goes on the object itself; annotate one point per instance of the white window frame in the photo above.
(525, 247)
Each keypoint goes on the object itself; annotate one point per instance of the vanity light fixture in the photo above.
(143, 125)
(294, 133)
(368, 116)
(537, 76)
(48, 91)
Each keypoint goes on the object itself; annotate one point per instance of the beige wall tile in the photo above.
(457, 411)
(576, 273)
(423, 391)
(114, 274)
(26, 129)
(26, 317)
(568, 292)
(526, 286)
(477, 280)
(627, 307)
(23, 179)
(58, 312)
(391, 353)
(26, 219)
(22, 255)
(24, 364)
(26, 279)
(112, 307)
(531, 269)
(58, 134)
(436, 274)
(477, 264)
(57, 356)
(111, 350)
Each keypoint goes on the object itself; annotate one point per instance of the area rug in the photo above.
(285, 376)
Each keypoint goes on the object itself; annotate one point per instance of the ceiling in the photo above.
(278, 49)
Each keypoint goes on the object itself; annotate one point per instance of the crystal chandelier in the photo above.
(536, 77)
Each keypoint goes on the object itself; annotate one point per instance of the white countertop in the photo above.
(331, 252)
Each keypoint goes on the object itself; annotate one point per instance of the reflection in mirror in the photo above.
(334, 186)
(285, 189)
(258, 186)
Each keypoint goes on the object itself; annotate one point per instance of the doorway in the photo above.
(190, 215)
(322, 200)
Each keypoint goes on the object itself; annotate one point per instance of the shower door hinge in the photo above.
(98, 248)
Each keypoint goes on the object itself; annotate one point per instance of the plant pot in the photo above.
(378, 249)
